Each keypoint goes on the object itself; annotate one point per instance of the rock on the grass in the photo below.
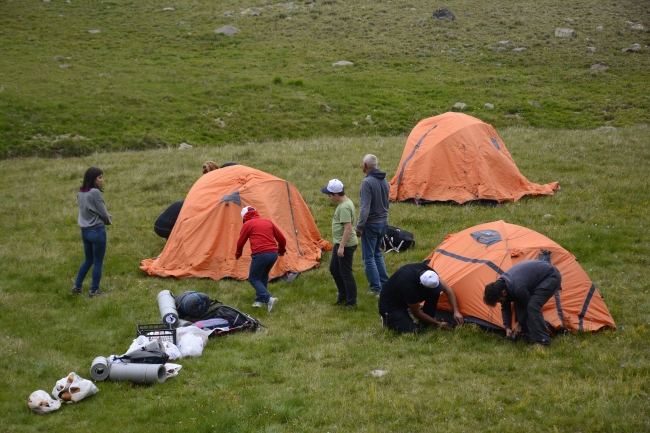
(633, 49)
(599, 66)
(185, 146)
(444, 14)
(637, 27)
(606, 128)
(460, 105)
(168, 9)
(568, 20)
(548, 216)
(504, 42)
(535, 104)
(591, 49)
(94, 32)
(498, 49)
(342, 63)
(599, 28)
(227, 13)
(489, 106)
(519, 49)
(561, 32)
(228, 30)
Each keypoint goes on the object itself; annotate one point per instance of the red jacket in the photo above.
(262, 233)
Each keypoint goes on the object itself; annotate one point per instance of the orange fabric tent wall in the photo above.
(456, 157)
(468, 265)
(203, 241)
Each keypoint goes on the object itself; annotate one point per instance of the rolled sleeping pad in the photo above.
(100, 368)
(167, 306)
(138, 373)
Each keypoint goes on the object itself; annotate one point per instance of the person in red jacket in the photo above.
(263, 235)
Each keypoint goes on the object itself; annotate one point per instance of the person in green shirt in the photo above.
(345, 243)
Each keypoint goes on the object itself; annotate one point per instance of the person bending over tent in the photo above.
(165, 222)
(405, 290)
(263, 235)
(529, 285)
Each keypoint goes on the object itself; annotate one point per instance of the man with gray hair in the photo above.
(373, 222)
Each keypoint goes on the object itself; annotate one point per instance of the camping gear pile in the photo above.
(188, 321)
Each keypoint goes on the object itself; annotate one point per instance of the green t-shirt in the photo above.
(344, 213)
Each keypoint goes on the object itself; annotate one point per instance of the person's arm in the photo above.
(425, 318)
(100, 207)
(522, 296)
(451, 297)
(347, 231)
(282, 241)
(364, 206)
(243, 237)
(506, 315)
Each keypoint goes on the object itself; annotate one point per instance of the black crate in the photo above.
(155, 331)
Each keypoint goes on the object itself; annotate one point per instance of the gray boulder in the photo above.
(460, 105)
(564, 32)
(444, 14)
(228, 30)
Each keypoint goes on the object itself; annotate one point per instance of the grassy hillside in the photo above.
(310, 371)
(154, 78)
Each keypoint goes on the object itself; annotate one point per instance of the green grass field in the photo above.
(310, 371)
(154, 78)
(268, 97)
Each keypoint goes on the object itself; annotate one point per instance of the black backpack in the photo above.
(191, 305)
(144, 356)
(397, 240)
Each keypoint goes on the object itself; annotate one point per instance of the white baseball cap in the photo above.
(334, 186)
(246, 209)
(430, 279)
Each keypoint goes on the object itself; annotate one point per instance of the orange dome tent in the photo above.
(203, 241)
(456, 157)
(477, 256)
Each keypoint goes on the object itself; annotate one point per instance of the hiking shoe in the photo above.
(75, 291)
(258, 304)
(374, 293)
(96, 293)
(339, 302)
(350, 306)
(271, 303)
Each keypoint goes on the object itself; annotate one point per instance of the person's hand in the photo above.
(341, 251)
(358, 233)
(517, 330)
(446, 326)
(237, 256)
(459, 318)
(509, 333)
(281, 253)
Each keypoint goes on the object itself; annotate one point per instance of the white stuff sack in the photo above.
(73, 388)
(172, 350)
(191, 340)
(191, 345)
(41, 402)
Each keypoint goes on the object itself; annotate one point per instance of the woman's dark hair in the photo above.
(89, 178)
(493, 292)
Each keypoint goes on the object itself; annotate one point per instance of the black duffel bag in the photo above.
(397, 240)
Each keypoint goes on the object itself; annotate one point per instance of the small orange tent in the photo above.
(456, 157)
(203, 241)
(477, 256)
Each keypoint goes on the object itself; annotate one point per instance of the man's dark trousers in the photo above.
(535, 324)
